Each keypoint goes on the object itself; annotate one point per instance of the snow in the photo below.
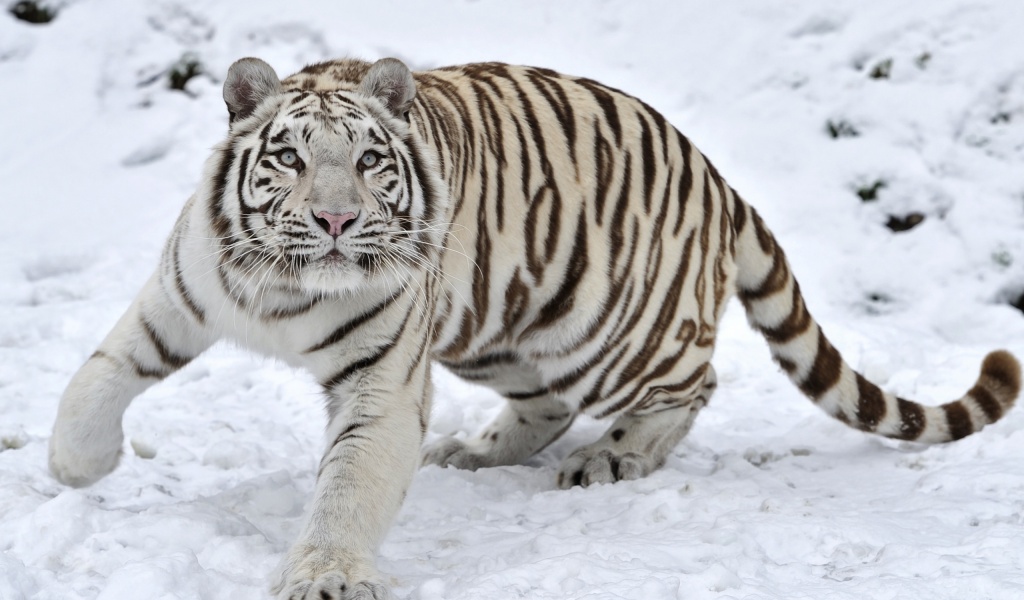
(766, 498)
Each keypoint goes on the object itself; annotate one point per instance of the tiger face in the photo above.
(332, 189)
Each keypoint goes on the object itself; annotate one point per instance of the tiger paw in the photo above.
(81, 460)
(334, 586)
(449, 451)
(592, 464)
(310, 573)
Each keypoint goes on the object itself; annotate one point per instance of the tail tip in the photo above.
(1000, 372)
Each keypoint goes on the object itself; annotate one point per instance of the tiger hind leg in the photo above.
(639, 441)
(523, 428)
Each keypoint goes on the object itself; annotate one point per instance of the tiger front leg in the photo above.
(373, 441)
(150, 341)
(639, 441)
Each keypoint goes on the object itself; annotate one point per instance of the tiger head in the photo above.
(328, 187)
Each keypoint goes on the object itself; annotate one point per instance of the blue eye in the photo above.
(369, 159)
(289, 158)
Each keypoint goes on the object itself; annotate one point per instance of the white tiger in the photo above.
(547, 236)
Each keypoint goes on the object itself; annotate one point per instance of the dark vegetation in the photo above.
(840, 128)
(33, 12)
(904, 223)
(181, 72)
(881, 70)
(869, 192)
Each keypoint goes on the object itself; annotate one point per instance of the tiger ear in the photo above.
(391, 82)
(250, 81)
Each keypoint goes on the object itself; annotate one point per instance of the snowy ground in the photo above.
(767, 498)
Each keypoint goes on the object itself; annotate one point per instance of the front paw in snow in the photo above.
(313, 574)
(334, 586)
(81, 460)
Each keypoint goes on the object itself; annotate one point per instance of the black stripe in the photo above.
(603, 165)
(358, 365)
(348, 431)
(571, 379)
(243, 168)
(346, 328)
(426, 186)
(436, 129)
(179, 284)
(796, 323)
(367, 361)
(662, 125)
(739, 213)
(987, 402)
(143, 371)
(221, 224)
(912, 419)
(870, 405)
(172, 359)
(607, 103)
(640, 366)
(685, 182)
(525, 157)
(774, 281)
(405, 172)
(421, 354)
(483, 362)
(560, 106)
(958, 419)
(564, 299)
(825, 371)
(526, 395)
(648, 161)
(278, 137)
(289, 312)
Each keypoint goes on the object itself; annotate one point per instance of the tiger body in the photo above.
(547, 236)
(552, 281)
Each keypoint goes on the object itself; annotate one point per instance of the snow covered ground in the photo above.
(766, 498)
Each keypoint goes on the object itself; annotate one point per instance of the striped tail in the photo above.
(775, 308)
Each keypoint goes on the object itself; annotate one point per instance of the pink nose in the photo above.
(334, 224)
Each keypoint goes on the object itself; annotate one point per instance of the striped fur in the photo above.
(547, 236)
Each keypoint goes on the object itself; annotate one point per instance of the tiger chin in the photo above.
(547, 236)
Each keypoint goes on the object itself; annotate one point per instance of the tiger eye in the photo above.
(369, 159)
(289, 158)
